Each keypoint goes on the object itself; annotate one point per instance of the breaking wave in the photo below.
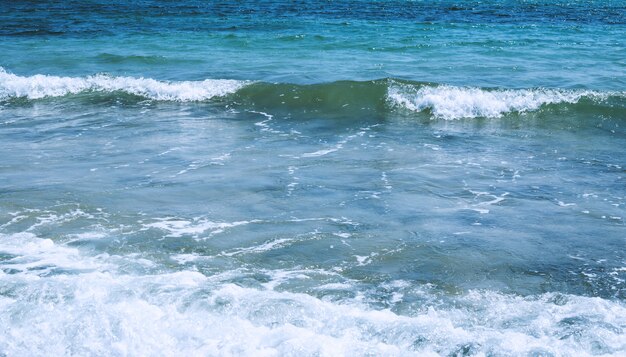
(42, 86)
(381, 96)
(448, 102)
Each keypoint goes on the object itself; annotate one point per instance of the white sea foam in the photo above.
(107, 311)
(449, 102)
(323, 151)
(41, 86)
(33, 256)
(277, 243)
(179, 227)
(337, 147)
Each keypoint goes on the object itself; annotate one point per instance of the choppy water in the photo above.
(313, 178)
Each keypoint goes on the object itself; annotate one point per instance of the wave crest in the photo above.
(356, 98)
(449, 102)
(41, 86)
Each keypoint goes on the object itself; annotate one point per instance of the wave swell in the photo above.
(378, 96)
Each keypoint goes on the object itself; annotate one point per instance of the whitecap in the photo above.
(41, 86)
(450, 102)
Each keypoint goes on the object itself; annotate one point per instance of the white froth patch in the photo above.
(185, 258)
(365, 259)
(177, 228)
(337, 147)
(34, 257)
(335, 286)
(89, 235)
(322, 152)
(41, 86)
(449, 102)
(277, 243)
(342, 235)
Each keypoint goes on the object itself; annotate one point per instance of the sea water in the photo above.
(313, 178)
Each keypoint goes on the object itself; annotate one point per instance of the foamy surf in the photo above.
(82, 305)
(450, 102)
(41, 86)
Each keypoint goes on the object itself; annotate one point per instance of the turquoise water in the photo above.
(313, 178)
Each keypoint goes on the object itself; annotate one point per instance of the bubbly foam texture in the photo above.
(41, 86)
(91, 308)
(448, 102)
(179, 227)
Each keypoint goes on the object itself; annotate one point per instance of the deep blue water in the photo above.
(313, 178)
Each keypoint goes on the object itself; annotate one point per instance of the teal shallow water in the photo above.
(331, 178)
(517, 44)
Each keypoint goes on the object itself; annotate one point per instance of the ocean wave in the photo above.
(378, 97)
(449, 102)
(41, 86)
(436, 101)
